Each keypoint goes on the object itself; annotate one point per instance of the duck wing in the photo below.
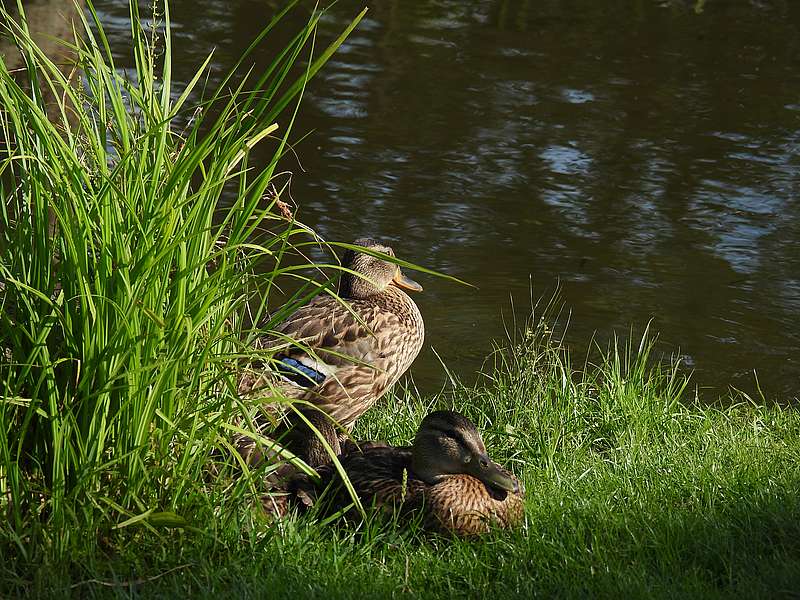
(380, 476)
(342, 360)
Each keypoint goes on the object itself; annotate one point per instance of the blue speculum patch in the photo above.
(298, 373)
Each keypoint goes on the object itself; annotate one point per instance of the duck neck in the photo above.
(421, 470)
(353, 287)
(396, 301)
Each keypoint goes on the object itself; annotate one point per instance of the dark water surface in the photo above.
(643, 153)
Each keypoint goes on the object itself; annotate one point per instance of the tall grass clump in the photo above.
(133, 221)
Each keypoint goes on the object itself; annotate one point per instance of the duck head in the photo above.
(447, 443)
(367, 275)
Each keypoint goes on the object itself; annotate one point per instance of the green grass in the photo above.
(129, 293)
(633, 490)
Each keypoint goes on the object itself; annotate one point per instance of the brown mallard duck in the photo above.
(446, 477)
(347, 351)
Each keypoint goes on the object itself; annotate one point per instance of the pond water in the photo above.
(641, 154)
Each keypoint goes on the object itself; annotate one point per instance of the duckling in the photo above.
(446, 477)
(348, 352)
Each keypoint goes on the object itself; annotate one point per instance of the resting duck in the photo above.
(347, 351)
(445, 476)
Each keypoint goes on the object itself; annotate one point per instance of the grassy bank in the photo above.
(632, 490)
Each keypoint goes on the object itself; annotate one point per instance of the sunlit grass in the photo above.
(633, 490)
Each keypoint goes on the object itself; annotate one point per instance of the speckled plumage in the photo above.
(363, 348)
(384, 478)
(464, 504)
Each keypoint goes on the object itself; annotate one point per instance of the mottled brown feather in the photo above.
(369, 358)
(458, 504)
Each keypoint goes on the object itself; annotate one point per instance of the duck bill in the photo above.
(497, 477)
(406, 283)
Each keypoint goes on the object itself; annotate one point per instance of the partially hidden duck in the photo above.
(344, 355)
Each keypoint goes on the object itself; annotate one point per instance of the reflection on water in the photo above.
(48, 22)
(51, 23)
(642, 154)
